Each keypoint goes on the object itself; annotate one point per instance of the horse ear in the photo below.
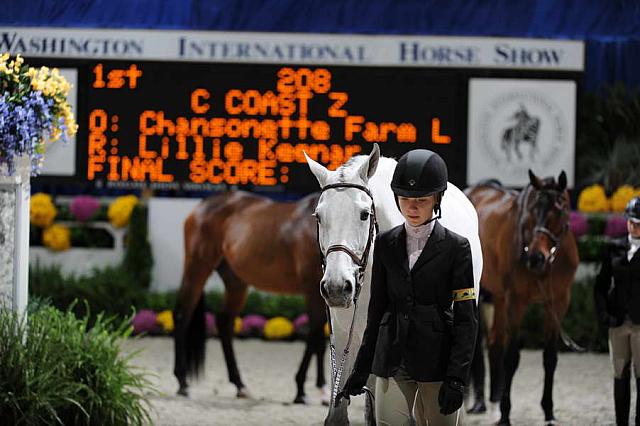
(562, 180)
(318, 170)
(368, 168)
(534, 180)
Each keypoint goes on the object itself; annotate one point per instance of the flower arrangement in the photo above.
(33, 111)
(278, 328)
(42, 211)
(57, 237)
(616, 226)
(621, 197)
(145, 321)
(252, 325)
(165, 320)
(120, 210)
(210, 320)
(83, 207)
(593, 199)
(578, 224)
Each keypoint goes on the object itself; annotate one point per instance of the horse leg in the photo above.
(511, 358)
(190, 327)
(315, 346)
(552, 319)
(235, 296)
(496, 345)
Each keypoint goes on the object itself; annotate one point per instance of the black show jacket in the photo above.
(412, 317)
(617, 290)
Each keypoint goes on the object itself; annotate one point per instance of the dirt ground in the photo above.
(582, 393)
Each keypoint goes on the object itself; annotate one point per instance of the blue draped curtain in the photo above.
(610, 28)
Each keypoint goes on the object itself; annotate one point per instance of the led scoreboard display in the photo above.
(195, 126)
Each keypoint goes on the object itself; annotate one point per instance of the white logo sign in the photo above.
(516, 125)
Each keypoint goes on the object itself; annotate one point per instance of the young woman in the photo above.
(617, 297)
(422, 319)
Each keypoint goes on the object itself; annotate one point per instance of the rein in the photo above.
(361, 262)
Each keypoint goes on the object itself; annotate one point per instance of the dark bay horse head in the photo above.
(544, 219)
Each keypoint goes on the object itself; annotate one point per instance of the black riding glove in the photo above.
(450, 396)
(353, 386)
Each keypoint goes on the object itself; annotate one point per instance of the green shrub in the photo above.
(57, 370)
(138, 259)
(590, 247)
(159, 302)
(111, 290)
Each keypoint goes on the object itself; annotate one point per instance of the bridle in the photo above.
(361, 262)
(540, 228)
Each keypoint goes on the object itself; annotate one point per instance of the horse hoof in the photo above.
(494, 412)
(325, 395)
(243, 393)
(551, 422)
(503, 422)
(300, 399)
(478, 408)
(183, 392)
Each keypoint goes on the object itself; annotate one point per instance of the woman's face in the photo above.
(633, 228)
(417, 211)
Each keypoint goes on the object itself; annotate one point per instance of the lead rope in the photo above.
(335, 370)
(566, 339)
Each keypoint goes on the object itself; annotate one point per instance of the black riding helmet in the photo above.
(420, 173)
(632, 211)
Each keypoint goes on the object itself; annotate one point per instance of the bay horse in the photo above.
(249, 240)
(355, 198)
(530, 256)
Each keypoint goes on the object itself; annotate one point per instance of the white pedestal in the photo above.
(14, 240)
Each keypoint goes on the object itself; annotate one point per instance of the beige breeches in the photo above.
(395, 395)
(624, 346)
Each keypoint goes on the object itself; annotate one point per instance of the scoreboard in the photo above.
(185, 123)
(207, 125)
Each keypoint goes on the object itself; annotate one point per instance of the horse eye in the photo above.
(364, 215)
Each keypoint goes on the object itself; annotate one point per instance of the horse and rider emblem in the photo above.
(525, 130)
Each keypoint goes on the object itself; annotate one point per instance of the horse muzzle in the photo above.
(536, 262)
(337, 294)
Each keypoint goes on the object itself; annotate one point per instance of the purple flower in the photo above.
(24, 122)
(616, 226)
(578, 224)
(144, 321)
(301, 321)
(210, 319)
(253, 324)
(83, 207)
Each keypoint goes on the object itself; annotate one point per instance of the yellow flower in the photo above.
(165, 319)
(237, 325)
(593, 199)
(57, 237)
(621, 197)
(278, 328)
(42, 211)
(120, 210)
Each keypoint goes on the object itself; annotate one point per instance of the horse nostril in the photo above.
(536, 260)
(323, 289)
(348, 287)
